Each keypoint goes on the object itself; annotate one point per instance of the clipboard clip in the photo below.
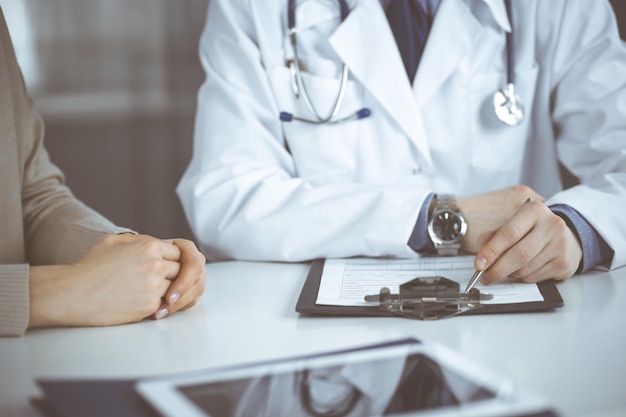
(428, 298)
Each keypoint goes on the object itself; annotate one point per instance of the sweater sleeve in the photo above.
(58, 228)
(14, 299)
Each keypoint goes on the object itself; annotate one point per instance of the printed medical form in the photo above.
(345, 282)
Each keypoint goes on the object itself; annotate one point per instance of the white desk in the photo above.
(574, 356)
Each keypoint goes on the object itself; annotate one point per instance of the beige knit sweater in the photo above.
(41, 222)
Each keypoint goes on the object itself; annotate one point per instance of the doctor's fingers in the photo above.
(556, 268)
(559, 260)
(541, 267)
(509, 248)
(550, 241)
(522, 259)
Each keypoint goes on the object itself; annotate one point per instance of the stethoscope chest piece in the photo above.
(508, 106)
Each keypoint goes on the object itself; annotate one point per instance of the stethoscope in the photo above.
(507, 104)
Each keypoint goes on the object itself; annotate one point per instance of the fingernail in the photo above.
(174, 297)
(481, 263)
(161, 313)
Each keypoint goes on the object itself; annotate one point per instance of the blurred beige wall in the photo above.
(116, 83)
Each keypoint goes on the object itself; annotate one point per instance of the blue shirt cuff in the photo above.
(595, 249)
(419, 240)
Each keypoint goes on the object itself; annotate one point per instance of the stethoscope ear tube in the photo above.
(510, 46)
(507, 105)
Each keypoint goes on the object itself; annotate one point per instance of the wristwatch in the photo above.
(446, 226)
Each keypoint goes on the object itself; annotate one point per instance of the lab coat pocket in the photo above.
(498, 149)
(322, 153)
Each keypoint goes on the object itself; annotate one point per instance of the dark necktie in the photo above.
(410, 25)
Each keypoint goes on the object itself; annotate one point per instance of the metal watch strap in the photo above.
(447, 201)
(449, 250)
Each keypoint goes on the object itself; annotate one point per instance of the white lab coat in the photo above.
(261, 189)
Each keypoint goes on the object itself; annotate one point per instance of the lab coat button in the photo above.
(417, 170)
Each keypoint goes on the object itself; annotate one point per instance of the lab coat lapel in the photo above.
(366, 44)
(452, 37)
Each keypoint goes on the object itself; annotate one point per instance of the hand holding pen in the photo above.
(533, 245)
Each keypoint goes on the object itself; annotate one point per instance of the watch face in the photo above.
(448, 226)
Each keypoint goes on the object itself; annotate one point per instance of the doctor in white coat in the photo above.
(260, 188)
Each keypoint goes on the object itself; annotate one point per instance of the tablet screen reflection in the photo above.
(377, 387)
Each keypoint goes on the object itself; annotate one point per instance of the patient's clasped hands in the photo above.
(124, 278)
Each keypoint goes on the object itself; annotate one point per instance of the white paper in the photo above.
(345, 282)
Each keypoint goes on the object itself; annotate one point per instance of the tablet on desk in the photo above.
(399, 378)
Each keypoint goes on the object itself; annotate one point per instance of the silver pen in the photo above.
(473, 281)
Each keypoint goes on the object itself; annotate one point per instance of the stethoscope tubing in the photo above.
(297, 82)
(510, 46)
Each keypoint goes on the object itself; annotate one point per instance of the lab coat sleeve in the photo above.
(588, 71)
(241, 192)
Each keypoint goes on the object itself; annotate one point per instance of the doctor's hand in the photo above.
(534, 245)
(488, 212)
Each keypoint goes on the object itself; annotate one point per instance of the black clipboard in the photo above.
(307, 301)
